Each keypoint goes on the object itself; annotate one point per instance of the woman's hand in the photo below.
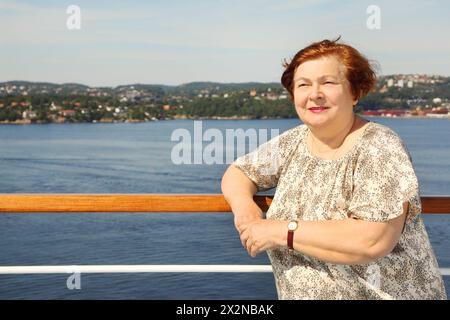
(263, 234)
(243, 220)
(245, 211)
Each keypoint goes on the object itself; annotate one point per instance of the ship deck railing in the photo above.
(150, 203)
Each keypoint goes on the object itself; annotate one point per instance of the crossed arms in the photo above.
(349, 241)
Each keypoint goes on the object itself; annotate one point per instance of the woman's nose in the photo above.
(316, 93)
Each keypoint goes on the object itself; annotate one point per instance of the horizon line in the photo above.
(206, 81)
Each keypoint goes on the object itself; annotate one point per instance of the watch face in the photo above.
(292, 225)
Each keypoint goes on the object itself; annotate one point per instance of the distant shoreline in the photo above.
(27, 122)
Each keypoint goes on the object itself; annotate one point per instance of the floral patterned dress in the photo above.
(371, 182)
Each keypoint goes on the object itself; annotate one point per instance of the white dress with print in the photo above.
(370, 182)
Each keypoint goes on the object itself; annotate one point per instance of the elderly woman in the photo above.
(345, 219)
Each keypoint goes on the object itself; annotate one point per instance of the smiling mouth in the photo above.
(318, 108)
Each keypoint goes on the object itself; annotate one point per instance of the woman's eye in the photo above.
(302, 85)
(329, 82)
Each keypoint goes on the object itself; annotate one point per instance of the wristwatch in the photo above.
(292, 226)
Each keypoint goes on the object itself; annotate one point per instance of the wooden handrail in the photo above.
(151, 203)
(119, 203)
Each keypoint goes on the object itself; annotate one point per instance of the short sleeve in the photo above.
(383, 179)
(264, 165)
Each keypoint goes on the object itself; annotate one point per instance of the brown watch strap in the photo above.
(290, 239)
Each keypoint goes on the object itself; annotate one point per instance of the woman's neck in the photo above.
(330, 141)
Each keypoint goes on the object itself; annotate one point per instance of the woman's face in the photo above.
(322, 95)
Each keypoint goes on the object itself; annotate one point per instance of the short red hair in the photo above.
(358, 70)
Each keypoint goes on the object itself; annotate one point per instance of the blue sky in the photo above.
(175, 42)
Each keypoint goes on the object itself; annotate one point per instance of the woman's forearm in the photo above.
(346, 241)
(239, 190)
(333, 241)
(335, 257)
